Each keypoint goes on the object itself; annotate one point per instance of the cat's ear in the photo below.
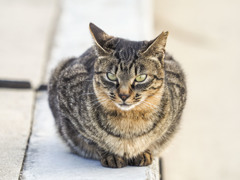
(100, 38)
(156, 47)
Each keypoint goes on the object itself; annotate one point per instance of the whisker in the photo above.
(101, 102)
(97, 100)
(149, 108)
(140, 107)
(150, 105)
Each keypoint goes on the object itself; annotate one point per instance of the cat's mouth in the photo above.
(124, 106)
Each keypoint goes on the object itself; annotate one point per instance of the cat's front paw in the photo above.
(113, 161)
(143, 159)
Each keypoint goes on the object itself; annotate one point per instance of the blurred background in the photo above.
(204, 38)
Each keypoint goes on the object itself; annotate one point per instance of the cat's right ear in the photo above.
(100, 38)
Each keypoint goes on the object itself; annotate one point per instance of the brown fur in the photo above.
(120, 122)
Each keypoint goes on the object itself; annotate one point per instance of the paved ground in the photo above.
(47, 156)
(204, 37)
(25, 32)
(16, 115)
(25, 27)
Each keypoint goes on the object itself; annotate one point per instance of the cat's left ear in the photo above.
(100, 38)
(156, 47)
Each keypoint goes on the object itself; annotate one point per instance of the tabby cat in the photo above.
(120, 102)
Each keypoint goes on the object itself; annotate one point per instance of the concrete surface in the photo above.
(15, 121)
(47, 156)
(25, 27)
(204, 37)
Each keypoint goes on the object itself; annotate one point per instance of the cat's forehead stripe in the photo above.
(128, 50)
(127, 54)
(126, 67)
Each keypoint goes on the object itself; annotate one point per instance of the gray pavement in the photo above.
(204, 37)
(25, 30)
(47, 156)
(16, 116)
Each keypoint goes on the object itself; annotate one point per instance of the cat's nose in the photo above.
(124, 96)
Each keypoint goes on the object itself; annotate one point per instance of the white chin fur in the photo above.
(127, 108)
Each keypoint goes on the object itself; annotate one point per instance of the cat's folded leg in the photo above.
(143, 159)
(113, 161)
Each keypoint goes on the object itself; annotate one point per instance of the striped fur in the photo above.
(87, 107)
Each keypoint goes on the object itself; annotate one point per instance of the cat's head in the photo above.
(128, 74)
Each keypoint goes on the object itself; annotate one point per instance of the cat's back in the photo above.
(174, 72)
(176, 84)
(73, 66)
(70, 74)
(85, 62)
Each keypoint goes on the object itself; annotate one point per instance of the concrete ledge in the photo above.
(15, 122)
(47, 156)
(24, 33)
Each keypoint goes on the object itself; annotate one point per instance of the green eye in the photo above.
(141, 78)
(111, 76)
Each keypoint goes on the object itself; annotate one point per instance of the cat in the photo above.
(120, 102)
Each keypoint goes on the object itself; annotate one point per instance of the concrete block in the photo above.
(48, 158)
(15, 122)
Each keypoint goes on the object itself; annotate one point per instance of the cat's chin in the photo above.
(126, 107)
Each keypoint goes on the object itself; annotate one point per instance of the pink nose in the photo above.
(124, 96)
